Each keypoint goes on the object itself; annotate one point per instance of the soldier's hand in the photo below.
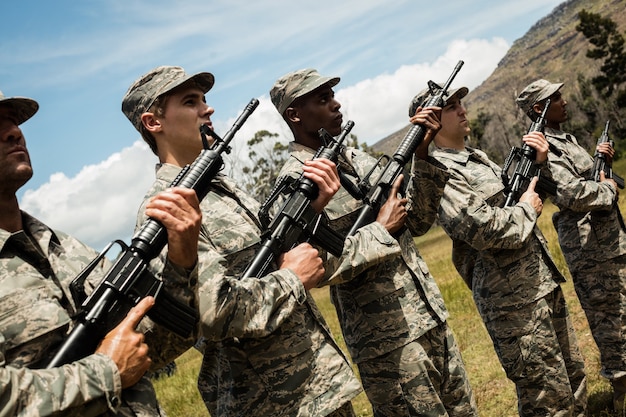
(178, 209)
(430, 118)
(531, 197)
(323, 172)
(304, 260)
(607, 150)
(537, 141)
(392, 214)
(126, 346)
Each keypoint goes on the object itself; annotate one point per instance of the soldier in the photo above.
(267, 349)
(37, 265)
(591, 232)
(391, 311)
(502, 256)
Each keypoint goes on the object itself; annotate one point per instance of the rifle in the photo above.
(599, 161)
(376, 195)
(128, 280)
(297, 220)
(525, 168)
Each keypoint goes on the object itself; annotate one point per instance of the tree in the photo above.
(609, 49)
(267, 155)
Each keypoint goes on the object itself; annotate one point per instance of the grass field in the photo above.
(494, 392)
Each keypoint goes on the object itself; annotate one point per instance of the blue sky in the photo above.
(78, 58)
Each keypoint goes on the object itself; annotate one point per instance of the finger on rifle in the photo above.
(395, 188)
(136, 313)
(602, 175)
(533, 183)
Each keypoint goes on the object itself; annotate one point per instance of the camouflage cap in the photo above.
(535, 92)
(423, 95)
(24, 107)
(144, 92)
(296, 84)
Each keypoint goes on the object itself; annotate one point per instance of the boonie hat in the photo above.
(535, 92)
(296, 84)
(144, 92)
(24, 107)
(425, 94)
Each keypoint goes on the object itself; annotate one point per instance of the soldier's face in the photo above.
(454, 123)
(557, 112)
(15, 167)
(185, 111)
(319, 109)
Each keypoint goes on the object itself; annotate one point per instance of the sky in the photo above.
(77, 59)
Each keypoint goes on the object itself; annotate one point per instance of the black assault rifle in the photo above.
(129, 280)
(297, 221)
(601, 165)
(376, 195)
(525, 168)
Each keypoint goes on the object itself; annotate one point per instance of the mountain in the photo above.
(551, 49)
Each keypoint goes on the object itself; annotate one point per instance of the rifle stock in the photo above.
(378, 193)
(128, 280)
(297, 221)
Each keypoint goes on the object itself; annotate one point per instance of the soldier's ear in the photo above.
(151, 122)
(291, 114)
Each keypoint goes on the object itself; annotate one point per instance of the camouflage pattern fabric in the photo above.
(512, 278)
(593, 241)
(267, 348)
(387, 305)
(36, 268)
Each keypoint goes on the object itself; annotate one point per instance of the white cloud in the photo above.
(100, 203)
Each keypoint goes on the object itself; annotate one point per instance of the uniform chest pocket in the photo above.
(30, 320)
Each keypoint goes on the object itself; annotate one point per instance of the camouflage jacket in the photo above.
(268, 350)
(36, 308)
(589, 222)
(500, 252)
(387, 298)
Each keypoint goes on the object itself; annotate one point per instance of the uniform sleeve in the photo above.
(467, 216)
(369, 246)
(573, 190)
(424, 192)
(90, 386)
(248, 307)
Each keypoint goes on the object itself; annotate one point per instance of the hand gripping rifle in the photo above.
(525, 168)
(297, 221)
(600, 164)
(129, 280)
(377, 194)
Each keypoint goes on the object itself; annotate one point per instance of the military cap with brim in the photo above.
(296, 84)
(161, 80)
(535, 92)
(423, 95)
(24, 107)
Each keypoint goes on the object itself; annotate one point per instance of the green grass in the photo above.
(494, 392)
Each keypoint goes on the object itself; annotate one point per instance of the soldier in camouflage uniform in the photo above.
(591, 232)
(391, 311)
(267, 348)
(37, 265)
(503, 257)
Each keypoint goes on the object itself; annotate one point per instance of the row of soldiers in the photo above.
(267, 350)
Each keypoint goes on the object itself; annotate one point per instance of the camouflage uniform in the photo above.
(36, 266)
(267, 349)
(593, 241)
(503, 258)
(391, 311)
